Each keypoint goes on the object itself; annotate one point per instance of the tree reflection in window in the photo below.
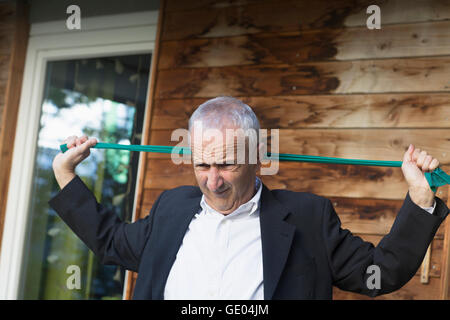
(102, 98)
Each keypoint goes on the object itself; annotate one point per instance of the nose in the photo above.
(215, 181)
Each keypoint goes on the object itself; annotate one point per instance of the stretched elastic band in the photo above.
(435, 179)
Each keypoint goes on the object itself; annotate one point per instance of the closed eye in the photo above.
(202, 165)
(225, 165)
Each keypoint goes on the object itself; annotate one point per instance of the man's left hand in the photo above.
(415, 163)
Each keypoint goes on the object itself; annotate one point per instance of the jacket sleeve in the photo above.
(398, 255)
(112, 240)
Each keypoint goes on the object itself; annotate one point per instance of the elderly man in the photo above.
(233, 238)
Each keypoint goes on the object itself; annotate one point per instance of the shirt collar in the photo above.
(250, 207)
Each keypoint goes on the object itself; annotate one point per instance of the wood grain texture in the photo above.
(8, 16)
(404, 11)
(131, 284)
(14, 75)
(163, 174)
(279, 16)
(257, 17)
(183, 5)
(403, 40)
(6, 36)
(363, 76)
(410, 40)
(4, 73)
(5, 60)
(325, 111)
(340, 180)
(374, 144)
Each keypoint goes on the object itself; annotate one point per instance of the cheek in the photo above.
(232, 178)
(201, 177)
(242, 180)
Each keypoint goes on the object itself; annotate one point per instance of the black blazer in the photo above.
(305, 250)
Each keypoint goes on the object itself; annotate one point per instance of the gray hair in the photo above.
(214, 111)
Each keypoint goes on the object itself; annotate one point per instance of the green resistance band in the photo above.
(435, 179)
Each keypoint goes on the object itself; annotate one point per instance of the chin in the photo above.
(221, 205)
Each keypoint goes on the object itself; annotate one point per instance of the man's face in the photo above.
(225, 183)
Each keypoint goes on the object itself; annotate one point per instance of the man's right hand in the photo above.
(65, 163)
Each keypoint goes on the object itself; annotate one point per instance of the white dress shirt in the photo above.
(220, 256)
(430, 209)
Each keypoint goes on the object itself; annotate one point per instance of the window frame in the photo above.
(101, 36)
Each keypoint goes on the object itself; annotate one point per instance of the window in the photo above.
(103, 98)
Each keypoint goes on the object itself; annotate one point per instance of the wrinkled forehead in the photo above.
(224, 145)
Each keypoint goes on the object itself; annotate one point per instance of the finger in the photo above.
(83, 139)
(68, 140)
(434, 164)
(71, 141)
(85, 147)
(421, 159)
(416, 154)
(408, 154)
(93, 141)
(426, 163)
(78, 142)
(65, 140)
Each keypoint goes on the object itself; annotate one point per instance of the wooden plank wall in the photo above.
(332, 87)
(13, 45)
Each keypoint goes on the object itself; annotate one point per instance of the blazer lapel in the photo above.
(276, 240)
(170, 241)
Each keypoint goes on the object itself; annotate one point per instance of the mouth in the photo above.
(220, 193)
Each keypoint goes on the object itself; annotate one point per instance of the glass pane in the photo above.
(103, 98)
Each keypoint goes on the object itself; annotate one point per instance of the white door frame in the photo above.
(131, 33)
